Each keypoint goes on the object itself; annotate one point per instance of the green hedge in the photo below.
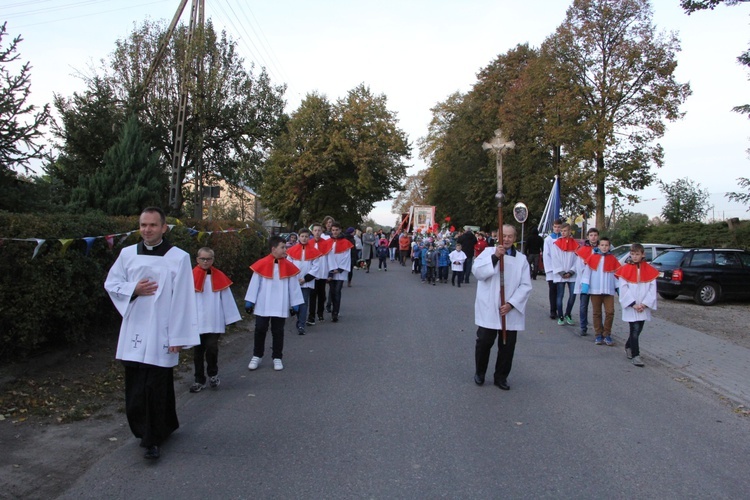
(57, 298)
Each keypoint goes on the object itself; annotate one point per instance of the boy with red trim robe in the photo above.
(273, 291)
(307, 258)
(637, 281)
(216, 309)
(564, 258)
(321, 243)
(583, 253)
(599, 282)
(339, 263)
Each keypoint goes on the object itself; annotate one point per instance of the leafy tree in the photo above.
(336, 159)
(623, 72)
(628, 228)
(234, 114)
(130, 180)
(414, 193)
(691, 6)
(741, 197)
(686, 201)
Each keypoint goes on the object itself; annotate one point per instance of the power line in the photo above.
(89, 14)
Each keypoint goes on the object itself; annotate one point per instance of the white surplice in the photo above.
(215, 309)
(341, 261)
(151, 324)
(273, 297)
(517, 290)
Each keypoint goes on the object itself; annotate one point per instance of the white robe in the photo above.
(341, 260)
(640, 293)
(215, 309)
(562, 262)
(274, 296)
(457, 256)
(549, 242)
(599, 282)
(517, 290)
(306, 267)
(151, 324)
(322, 261)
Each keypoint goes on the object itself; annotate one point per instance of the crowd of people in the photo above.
(168, 305)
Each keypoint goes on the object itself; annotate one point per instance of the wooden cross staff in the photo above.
(499, 145)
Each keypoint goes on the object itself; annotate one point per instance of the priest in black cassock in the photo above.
(151, 285)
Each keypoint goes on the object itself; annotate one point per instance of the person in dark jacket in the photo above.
(467, 240)
(534, 244)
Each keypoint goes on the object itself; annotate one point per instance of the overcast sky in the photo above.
(416, 52)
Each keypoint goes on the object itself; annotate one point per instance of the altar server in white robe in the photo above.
(488, 309)
(307, 258)
(151, 285)
(273, 291)
(339, 264)
(216, 309)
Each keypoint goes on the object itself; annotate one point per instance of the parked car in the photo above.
(652, 251)
(706, 274)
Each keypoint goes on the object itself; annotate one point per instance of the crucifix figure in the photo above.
(136, 341)
(499, 145)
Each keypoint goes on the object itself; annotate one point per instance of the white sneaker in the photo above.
(628, 353)
(277, 364)
(254, 363)
(637, 361)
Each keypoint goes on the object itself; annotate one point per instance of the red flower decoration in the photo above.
(452, 229)
(448, 218)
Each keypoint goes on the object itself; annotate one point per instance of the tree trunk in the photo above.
(600, 199)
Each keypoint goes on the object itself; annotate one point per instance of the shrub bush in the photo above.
(57, 298)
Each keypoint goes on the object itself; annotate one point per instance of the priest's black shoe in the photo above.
(334, 318)
(503, 384)
(152, 453)
(478, 379)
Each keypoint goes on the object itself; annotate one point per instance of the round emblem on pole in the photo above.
(520, 212)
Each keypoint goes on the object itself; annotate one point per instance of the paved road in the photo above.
(383, 405)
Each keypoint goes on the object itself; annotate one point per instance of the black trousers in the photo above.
(277, 336)
(207, 352)
(317, 300)
(485, 341)
(552, 298)
(459, 275)
(150, 402)
(335, 287)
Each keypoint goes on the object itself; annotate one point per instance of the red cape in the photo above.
(566, 244)
(611, 264)
(311, 253)
(323, 246)
(585, 252)
(264, 267)
(219, 280)
(629, 272)
(342, 244)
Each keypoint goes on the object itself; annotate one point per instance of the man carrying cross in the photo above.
(151, 285)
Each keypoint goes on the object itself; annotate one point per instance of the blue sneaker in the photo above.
(608, 340)
(599, 340)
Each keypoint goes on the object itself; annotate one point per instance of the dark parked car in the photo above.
(706, 274)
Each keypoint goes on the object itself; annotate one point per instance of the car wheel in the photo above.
(668, 296)
(707, 294)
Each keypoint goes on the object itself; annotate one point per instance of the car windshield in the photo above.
(669, 258)
(621, 250)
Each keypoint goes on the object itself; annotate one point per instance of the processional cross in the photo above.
(499, 145)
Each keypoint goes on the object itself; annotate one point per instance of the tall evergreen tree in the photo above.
(130, 180)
